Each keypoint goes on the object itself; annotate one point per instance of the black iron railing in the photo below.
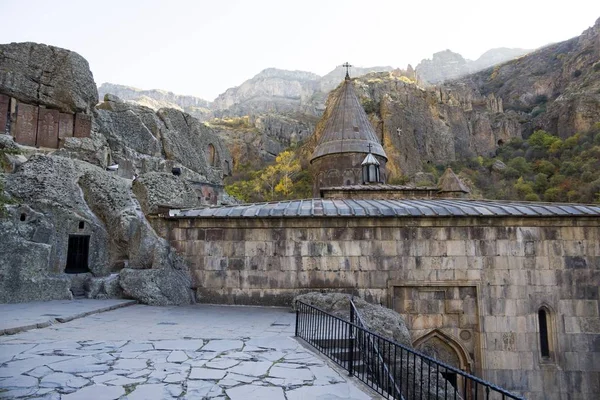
(391, 369)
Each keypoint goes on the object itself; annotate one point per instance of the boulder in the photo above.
(24, 273)
(46, 75)
(498, 166)
(379, 319)
(385, 322)
(8, 142)
(158, 287)
(155, 190)
(106, 287)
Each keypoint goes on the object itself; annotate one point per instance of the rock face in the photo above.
(26, 250)
(47, 75)
(157, 99)
(80, 225)
(155, 190)
(263, 136)
(447, 65)
(272, 90)
(141, 140)
(556, 88)
(79, 199)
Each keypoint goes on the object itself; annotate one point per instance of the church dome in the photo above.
(348, 129)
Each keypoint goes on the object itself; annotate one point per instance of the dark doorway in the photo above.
(77, 254)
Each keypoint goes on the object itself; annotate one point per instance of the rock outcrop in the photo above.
(76, 198)
(142, 140)
(46, 75)
(556, 88)
(77, 202)
(156, 190)
(26, 250)
(272, 90)
(157, 99)
(447, 65)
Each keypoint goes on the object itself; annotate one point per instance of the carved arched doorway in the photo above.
(448, 350)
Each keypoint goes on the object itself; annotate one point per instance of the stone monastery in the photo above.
(508, 291)
(504, 290)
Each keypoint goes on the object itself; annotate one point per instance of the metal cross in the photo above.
(347, 66)
(370, 147)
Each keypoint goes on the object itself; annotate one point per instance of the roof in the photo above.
(392, 208)
(348, 130)
(379, 187)
(370, 160)
(449, 182)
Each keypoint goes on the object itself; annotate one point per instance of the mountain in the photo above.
(271, 90)
(447, 65)
(555, 88)
(157, 99)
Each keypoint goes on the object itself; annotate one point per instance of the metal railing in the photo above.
(393, 370)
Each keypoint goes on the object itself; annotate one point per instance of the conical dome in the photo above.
(348, 129)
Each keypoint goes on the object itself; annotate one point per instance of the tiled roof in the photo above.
(380, 187)
(392, 208)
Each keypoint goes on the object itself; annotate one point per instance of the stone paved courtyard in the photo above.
(196, 352)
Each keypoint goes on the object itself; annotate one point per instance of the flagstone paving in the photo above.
(125, 354)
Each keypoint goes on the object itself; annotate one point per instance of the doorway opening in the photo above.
(77, 254)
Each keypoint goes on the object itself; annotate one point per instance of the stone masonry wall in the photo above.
(474, 285)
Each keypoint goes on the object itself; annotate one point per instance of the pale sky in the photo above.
(201, 48)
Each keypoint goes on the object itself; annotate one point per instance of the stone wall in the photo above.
(469, 288)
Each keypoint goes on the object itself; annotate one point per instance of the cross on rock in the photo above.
(347, 66)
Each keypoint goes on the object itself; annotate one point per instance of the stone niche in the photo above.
(39, 126)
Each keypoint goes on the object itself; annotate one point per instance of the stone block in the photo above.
(4, 106)
(47, 131)
(456, 248)
(83, 125)
(65, 127)
(26, 125)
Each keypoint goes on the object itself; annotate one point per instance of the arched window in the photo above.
(212, 155)
(544, 325)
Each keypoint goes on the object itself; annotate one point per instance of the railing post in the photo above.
(351, 341)
(297, 319)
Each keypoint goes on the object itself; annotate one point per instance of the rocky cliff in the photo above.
(48, 197)
(447, 65)
(157, 99)
(556, 88)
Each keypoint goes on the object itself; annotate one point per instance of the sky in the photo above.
(201, 48)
